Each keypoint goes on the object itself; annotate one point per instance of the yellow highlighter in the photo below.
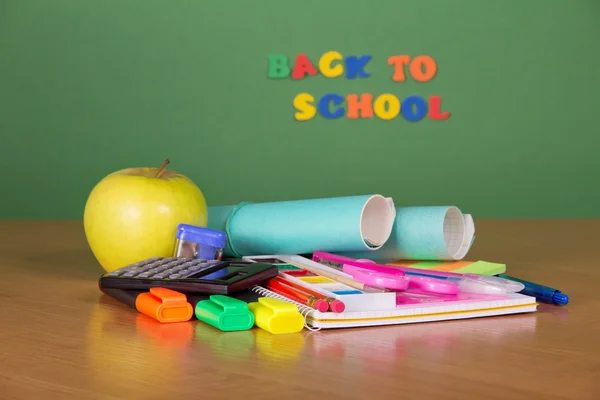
(276, 316)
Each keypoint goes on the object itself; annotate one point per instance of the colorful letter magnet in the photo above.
(276, 316)
(225, 313)
(164, 305)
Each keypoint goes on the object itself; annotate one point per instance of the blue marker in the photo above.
(542, 293)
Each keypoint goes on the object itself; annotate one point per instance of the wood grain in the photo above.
(61, 339)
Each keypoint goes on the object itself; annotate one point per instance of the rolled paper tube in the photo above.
(425, 233)
(351, 223)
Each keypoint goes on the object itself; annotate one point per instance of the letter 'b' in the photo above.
(278, 66)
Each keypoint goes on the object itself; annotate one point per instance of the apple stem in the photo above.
(162, 167)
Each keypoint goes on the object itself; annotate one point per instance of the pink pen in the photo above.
(394, 279)
(471, 283)
(336, 261)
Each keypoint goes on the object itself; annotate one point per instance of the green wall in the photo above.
(89, 87)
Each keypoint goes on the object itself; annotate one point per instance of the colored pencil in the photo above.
(335, 305)
(311, 301)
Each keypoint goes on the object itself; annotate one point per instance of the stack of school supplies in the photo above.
(339, 292)
(333, 291)
(369, 263)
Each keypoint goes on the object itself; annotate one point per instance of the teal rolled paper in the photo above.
(425, 233)
(352, 223)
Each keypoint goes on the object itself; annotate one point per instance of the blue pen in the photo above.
(542, 293)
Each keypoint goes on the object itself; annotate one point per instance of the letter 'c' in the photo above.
(326, 67)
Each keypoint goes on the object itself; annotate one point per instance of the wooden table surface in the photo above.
(60, 338)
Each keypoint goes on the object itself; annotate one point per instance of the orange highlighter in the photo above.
(161, 304)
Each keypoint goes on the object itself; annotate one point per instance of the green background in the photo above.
(89, 87)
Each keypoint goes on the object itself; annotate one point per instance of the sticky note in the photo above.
(482, 268)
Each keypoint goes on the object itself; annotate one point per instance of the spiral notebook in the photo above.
(468, 306)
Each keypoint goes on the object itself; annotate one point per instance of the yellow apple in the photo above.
(132, 214)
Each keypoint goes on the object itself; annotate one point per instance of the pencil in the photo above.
(331, 275)
(288, 295)
(335, 305)
(311, 301)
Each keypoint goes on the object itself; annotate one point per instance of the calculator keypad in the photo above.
(164, 268)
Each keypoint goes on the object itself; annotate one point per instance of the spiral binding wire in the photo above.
(305, 310)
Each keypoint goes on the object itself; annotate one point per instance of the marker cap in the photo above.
(560, 299)
(225, 313)
(164, 305)
(276, 316)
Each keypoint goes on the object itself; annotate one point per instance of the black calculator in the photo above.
(188, 275)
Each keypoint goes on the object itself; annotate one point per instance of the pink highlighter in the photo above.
(371, 274)
(466, 283)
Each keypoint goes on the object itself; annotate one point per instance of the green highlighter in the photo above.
(225, 313)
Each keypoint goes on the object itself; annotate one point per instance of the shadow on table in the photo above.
(387, 344)
(68, 263)
(562, 313)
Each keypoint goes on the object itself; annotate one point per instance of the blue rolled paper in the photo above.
(352, 223)
(425, 233)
